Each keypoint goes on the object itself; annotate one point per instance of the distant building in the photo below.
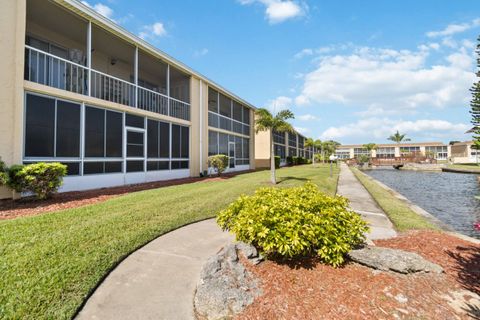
(459, 152)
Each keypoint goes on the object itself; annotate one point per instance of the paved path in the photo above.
(158, 281)
(362, 202)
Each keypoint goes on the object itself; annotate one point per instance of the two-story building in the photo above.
(77, 88)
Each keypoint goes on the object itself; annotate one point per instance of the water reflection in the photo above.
(448, 196)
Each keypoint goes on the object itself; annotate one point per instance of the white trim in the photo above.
(201, 126)
(89, 57)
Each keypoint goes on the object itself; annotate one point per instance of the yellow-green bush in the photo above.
(294, 222)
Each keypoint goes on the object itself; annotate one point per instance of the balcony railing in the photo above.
(219, 121)
(45, 68)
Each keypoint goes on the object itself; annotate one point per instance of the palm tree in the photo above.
(314, 144)
(397, 137)
(370, 147)
(328, 148)
(265, 121)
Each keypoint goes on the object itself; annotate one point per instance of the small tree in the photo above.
(397, 137)
(218, 162)
(265, 121)
(475, 105)
(314, 144)
(370, 147)
(3, 173)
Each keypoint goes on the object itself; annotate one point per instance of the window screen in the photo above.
(225, 106)
(134, 121)
(68, 129)
(39, 126)
(176, 141)
(212, 143)
(185, 142)
(94, 132)
(212, 100)
(113, 139)
(164, 140)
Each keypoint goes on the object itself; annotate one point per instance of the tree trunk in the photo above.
(313, 156)
(272, 160)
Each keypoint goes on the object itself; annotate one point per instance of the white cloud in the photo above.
(452, 29)
(307, 117)
(388, 79)
(279, 103)
(302, 130)
(303, 53)
(102, 9)
(200, 53)
(152, 31)
(381, 128)
(277, 11)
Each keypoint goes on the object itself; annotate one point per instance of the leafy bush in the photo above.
(289, 161)
(277, 162)
(295, 161)
(218, 162)
(363, 158)
(293, 222)
(3, 173)
(42, 179)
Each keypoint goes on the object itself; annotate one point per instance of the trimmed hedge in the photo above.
(295, 222)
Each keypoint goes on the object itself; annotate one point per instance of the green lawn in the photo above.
(50, 263)
(465, 166)
(398, 211)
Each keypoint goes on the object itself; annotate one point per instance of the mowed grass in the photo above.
(398, 211)
(466, 166)
(50, 263)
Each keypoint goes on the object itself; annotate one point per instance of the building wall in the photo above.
(12, 24)
(262, 149)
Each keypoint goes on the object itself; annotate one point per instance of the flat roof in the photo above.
(90, 14)
(390, 145)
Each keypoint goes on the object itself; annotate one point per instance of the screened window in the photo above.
(135, 144)
(225, 106)
(292, 139)
(223, 143)
(134, 121)
(52, 128)
(158, 135)
(39, 126)
(212, 100)
(237, 111)
(246, 115)
(103, 133)
(212, 143)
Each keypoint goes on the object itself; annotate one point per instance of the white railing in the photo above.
(112, 89)
(152, 101)
(220, 121)
(179, 109)
(45, 68)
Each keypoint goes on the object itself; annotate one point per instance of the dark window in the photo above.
(114, 135)
(246, 148)
(68, 129)
(176, 141)
(238, 147)
(135, 166)
(246, 115)
(212, 143)
(157, 165)
(223, 144)
(135, 144)
(225, 106)
(179, 165)
(153, 139)
(39, 126)
(73, 168)
(237, 111)
(164, 140)
(134, 121)
(213, 120)
(94, 132)
(93, 167)
(212, 100)
(112, 167)
(185, 142)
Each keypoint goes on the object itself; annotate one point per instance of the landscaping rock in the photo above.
(226, 287)
(387, 259)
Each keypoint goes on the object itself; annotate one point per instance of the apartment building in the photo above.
(76, 88)
(437, 150)
(462, 152)
(285, 144)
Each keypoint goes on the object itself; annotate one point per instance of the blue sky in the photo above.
(353, 71)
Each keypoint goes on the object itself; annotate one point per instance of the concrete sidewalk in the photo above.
(158, 281)
(362, 202)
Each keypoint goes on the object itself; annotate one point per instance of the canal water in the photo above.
(448, 196)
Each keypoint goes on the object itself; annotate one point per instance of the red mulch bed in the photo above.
(310, 290)
(10, 209)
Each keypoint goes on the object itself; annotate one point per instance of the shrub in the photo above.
(363, 158)
(289, 161)
(42, 179)
(294, 222)
(277, 162)
(295, 161)
(3, 173)
(218, 162)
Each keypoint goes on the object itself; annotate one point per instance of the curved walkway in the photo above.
(362, 202)
(158, 281)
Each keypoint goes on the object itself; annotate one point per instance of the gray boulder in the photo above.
(387, 259)
(226, 287)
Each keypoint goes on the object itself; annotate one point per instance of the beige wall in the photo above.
(195, 127)
(262, 149)
(12, 24)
